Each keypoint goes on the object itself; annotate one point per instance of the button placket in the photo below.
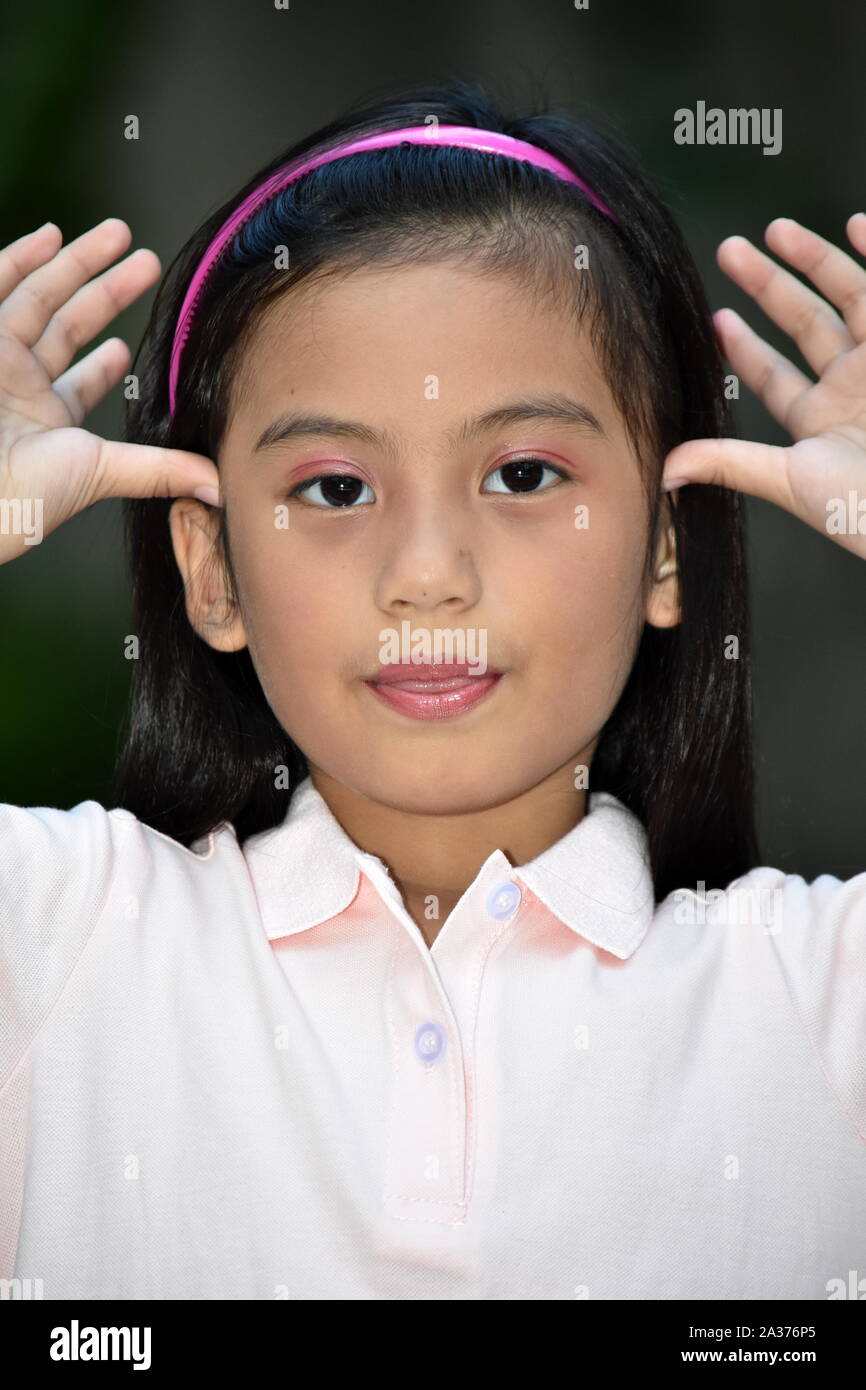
(477, 927)
(426, 1127)
(433, 1001)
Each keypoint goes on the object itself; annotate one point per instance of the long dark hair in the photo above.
(202, 745)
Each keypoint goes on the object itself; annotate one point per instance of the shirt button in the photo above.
(503, 900)
(430, 1042)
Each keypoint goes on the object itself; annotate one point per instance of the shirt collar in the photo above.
(596, 879)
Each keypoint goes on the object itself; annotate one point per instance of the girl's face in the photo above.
(434, 380)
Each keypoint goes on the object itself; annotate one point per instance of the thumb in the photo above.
(148, 470)
(761, 470)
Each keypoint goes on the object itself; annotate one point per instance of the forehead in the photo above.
(385, 341)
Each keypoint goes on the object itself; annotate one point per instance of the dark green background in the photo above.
(220, 87)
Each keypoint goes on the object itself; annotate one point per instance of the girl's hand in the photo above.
(50, 307)
(827, 418)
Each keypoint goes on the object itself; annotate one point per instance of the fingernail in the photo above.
(45, 226)
(669, 483)
(208, 494)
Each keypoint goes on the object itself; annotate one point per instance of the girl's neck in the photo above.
(441, 854)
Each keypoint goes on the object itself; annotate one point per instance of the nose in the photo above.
(428, 563)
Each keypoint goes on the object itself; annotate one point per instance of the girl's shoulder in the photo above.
(89, 835)
(811, 934)
(817, 927)
(62, 874)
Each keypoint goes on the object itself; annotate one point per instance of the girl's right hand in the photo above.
(49, 308)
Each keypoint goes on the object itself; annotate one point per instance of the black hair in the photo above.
(201, 744)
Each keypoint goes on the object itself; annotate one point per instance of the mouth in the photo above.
(432, 692)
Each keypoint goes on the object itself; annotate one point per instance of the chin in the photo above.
(451, 790)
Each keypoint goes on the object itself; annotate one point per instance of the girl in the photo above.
(359, 991)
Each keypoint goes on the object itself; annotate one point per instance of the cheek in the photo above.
(297, 614)
(578, 599)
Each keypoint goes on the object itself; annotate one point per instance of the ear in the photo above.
(210, 604)
(663, 603)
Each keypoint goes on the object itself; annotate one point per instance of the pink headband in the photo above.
(470, 137)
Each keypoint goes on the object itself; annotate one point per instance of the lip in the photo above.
(431, 692)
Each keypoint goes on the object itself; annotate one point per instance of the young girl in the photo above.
(426, 952)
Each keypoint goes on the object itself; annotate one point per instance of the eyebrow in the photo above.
(555, 408)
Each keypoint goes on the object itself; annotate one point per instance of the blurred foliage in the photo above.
(57, 61)
(61, 701)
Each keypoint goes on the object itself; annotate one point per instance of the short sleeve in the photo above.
(55, 877)
(819, 934)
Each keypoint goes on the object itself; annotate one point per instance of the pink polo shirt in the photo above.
(241, 1073)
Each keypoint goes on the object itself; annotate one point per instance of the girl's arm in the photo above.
(820, 935)
(56, 866)
(56, 875)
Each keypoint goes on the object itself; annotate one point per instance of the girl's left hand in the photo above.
(827, 418)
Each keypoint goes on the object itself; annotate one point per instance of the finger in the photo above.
(146, 470)
(836, 274)
(93, 307)
(815, 327)
(774, 380)
(761, 470)
(855, 228)
(83, 386)
(88, 468)
(27, 310)
(23, 256)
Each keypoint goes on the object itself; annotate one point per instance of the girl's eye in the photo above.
(524, 475)
(334, 490)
